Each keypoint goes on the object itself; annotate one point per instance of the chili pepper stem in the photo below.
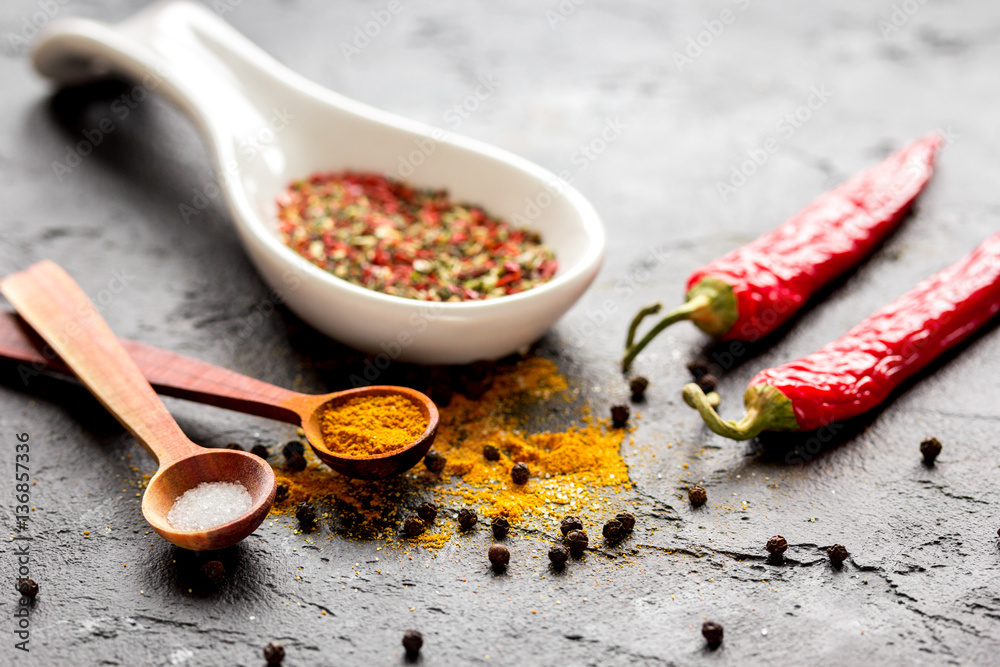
(767, 410)
(710, 304)
(684, 312)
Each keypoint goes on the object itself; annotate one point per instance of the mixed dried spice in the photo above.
(387, 236)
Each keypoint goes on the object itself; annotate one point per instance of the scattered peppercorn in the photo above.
(435, 461)
(613, 531)
(930, 448)
(619, 415)
(570, 523)
(558, 555)
(838, 554)
(519, 473)
(697, 495)
(499, 556)
(306, 514)
(281, 492)
(697, 368)
(413, 641)
(491, 453)
(413, 526)
(274, 653)
(777, 545)
(708, 382)
(293, 448)
(27, 587)
(427, 512)
(577, 541)
(712, 632)
(638, 388)
(235, 445)
(627, 520)
(500, 526)
(214, 571)
(295, 462)
(441, 393)
(467, 518)
(261, 451)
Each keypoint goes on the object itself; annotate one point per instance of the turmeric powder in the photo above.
(574, 470)
(371, 425)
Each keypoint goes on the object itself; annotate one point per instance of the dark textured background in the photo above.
(922, 586)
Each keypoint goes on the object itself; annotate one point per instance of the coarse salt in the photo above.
(208, 505)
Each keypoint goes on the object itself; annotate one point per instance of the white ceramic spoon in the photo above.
(239, 95)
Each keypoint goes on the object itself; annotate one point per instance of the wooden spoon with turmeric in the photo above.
(367, 432)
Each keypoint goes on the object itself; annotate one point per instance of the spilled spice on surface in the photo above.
(576, 470)
(371, 425)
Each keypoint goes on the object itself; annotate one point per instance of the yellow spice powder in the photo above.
(371, 425)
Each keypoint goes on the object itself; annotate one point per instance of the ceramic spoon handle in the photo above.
(55, 306)
(170, 374)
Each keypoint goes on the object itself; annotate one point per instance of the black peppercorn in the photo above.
(838, 554)
(708, 382)
(412, 642)
(435, 461)
(441, 393)
(491, 453)
(777, 545)
(627, 520)
(261, 451)
(295, 462)
(235, 445)
(306, 514)
(281, 492)
(467, 518)
(613, 530)
(570, 523)
(293, 448)
(214, 572)
(697, 495)
(519, 473)
(499, 556)
(413, 526)
(427, 512)
(930, 448)
(558, 555)
(577, 541)
(475, 389)
(619, 415)
(638, 388)
(712, 632)
(697, 368)
(27, 587)
(274, 653)
(501, 527)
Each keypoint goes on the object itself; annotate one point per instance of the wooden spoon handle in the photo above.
(170, 374)
(55, 306)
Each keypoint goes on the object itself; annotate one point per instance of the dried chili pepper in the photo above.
(857, 372)
(751, 291)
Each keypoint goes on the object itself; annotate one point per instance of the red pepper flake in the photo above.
(387, 236)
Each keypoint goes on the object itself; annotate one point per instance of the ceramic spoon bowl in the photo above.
(268, 126)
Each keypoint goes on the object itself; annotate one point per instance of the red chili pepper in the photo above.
(857, 372)
(754, 289)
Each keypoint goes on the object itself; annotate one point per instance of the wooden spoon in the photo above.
(52, 303)
(175, 375)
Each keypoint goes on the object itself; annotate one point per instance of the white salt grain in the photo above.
(208, 505)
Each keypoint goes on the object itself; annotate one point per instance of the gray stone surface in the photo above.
(922, 584)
